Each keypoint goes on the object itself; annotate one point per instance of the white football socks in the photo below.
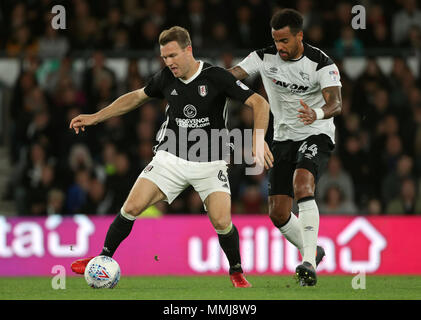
(292, 232)
(309, 221)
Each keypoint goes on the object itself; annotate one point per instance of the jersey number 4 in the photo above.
(312, 150)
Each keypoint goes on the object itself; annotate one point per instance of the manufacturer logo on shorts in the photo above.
(190, 111)
(203, 90)
(148, 168)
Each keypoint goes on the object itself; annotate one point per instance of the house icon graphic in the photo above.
(377, 244)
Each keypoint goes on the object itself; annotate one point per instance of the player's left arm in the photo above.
(332, 108)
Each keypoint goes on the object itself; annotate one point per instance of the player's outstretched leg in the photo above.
(119, 229)
(143, 194)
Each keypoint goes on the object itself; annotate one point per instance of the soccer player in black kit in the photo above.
(196, 93)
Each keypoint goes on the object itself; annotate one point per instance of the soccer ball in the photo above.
(102, 272)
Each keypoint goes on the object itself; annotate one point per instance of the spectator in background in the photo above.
(417, 139)
(354, 160)
(77, 192)
(407, 202)
(245, 35)
(113, 130)
(143, 154)
(121, 182)
(196, 22)
(106, 161)
(335, 175)
(310, 15)
(374, 207)
(365, 87)
(55, 202)
(121, 41)
(84, 29)
(348, 44)
(79, 158)
(146, 40)
(99, 82)
(392, 182)
(377, 110)
(132, 11)
(18, 16)
(37, 196)
(409, 16)
(341, 18)
(399, 73)
(219, 38)
(262, 11)
(380, 37)
(112, 26)
(392, 153)
(21, 42)
(335, 202)
(62, 77)
(158, 13)
(315, 36)
(52, 44)
(98, 200)
(377, 27)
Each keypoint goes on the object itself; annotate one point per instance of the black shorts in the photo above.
(312, 154)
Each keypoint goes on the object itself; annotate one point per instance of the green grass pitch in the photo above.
(214, 288)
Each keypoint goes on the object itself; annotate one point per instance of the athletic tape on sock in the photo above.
(126, 215)
(225, 231)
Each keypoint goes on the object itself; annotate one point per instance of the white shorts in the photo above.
(173, 174)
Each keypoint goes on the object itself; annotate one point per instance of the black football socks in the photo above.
(230, 244)
(119, 229)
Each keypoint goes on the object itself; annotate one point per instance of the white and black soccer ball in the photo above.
(102, 272)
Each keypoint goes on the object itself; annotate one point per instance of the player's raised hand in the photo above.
(81, 121)
(306, 114)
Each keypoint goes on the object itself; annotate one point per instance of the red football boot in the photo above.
(239, 281)
(79, 266)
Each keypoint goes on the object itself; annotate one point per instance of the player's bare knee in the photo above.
(303, 191)
(133, 209)
(221, 224)
(278, 215)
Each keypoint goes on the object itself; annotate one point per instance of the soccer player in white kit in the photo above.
(304, 91)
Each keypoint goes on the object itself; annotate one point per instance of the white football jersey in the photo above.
(286, 82)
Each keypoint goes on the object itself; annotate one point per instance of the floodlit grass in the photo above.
(214, 288)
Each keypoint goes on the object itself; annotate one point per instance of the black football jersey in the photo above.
(195, 111)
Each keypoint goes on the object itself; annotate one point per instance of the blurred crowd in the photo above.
(118, 26)
(376, 167)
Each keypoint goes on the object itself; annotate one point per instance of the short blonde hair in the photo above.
(176, 33)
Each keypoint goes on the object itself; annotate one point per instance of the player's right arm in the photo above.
(121, 105)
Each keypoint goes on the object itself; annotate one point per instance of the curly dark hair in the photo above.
(287, 17)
